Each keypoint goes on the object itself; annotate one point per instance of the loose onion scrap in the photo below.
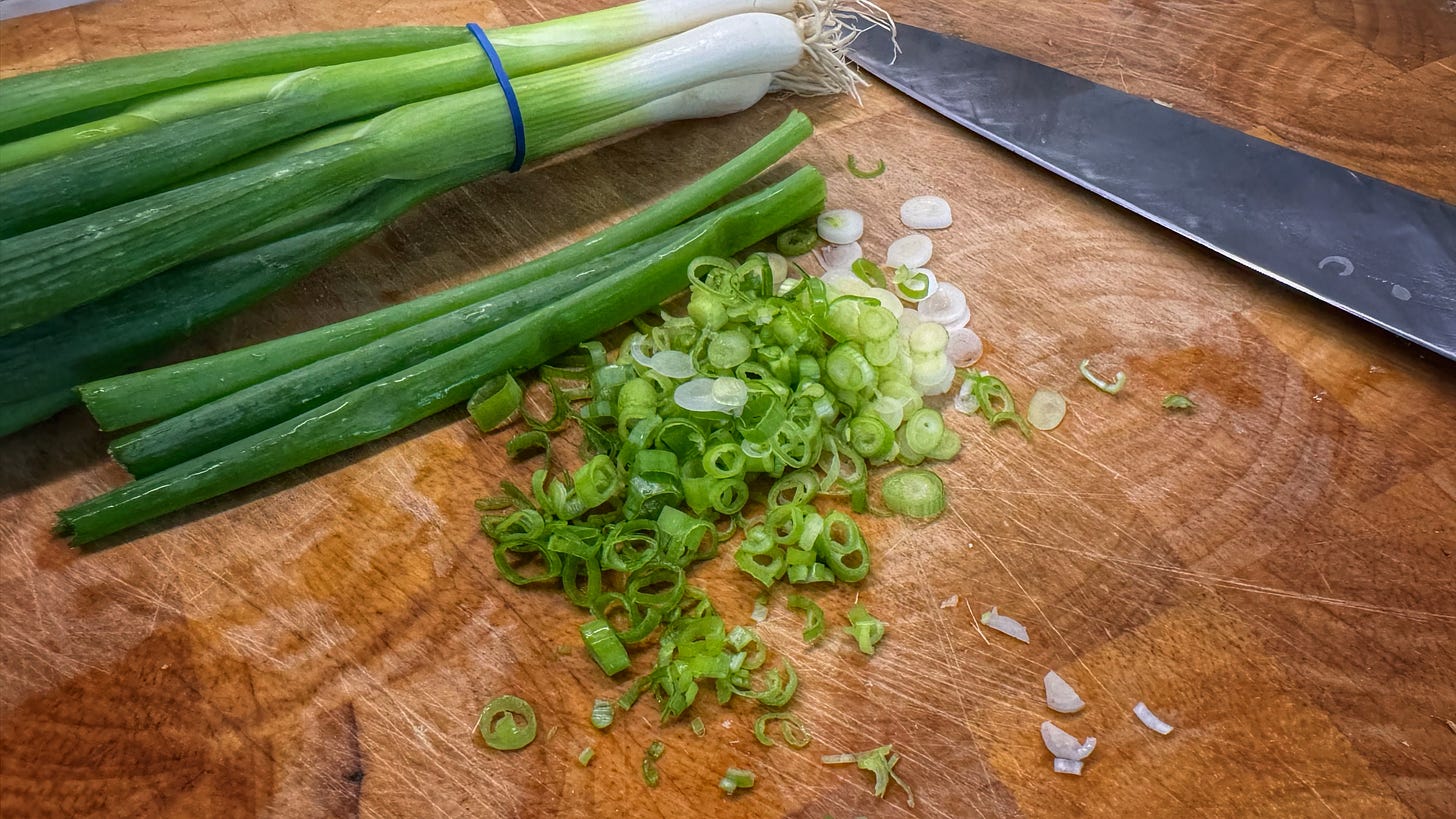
(926, 213)
(994, 619)
(1046, 409)
(1151, 720)
(911, 251)
(1065, 746)
(838, 257)
(1059, 694)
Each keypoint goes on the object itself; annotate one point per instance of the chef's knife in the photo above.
(1379, 251)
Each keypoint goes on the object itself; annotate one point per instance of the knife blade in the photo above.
(1366, 246)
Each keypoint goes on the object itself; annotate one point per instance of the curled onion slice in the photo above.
(1151, 720)
(1065, 746)
(994, 619)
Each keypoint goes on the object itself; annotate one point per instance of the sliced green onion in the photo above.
(495, 402)
(868, 272)
(790, 726)
(655, 750)
(864, 628)
(916, 493)
(879, 761)
(736, 779)
(914, 284)
(1112, 387)
(603, 713)
(923, 431)
(813, 616)
(649, 772)
(797, 241)
(508, 723)
(604, 646)
(863, 174)
(585, 757)
(1178, 402)
(698, 727)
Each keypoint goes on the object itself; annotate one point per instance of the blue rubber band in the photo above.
(517, 124)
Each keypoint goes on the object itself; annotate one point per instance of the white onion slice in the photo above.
(712, 395)
(950, 602)
(760, 610)
(840, 227)
(925, 213)
(911, 251)
(887, 300)
(672, 364)
(996, 620)
(909, 320)
(1046, 409)
(835, 257)
(1059, 694)
(941, 385)
(1067, 766)
(946, 307)
(965, 402)
(635, 348)
(964, 347)
(1151, 720)
(730, 392)
(1065, 746)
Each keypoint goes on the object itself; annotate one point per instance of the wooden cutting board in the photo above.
(1273, 573)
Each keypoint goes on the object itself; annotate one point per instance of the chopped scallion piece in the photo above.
(1178, 402)
(813, 616)
(508, 723)
(1112, 387)
(649, 763)
(797, 241)
(790, 726)
(916, 493)
(603, 712)
(864, 628)
(879, 761)
(585, 757)
(698, 727)
(736, 779)
(495, 402)
(865, 174)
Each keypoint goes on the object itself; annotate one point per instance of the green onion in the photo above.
(916, 493)
(736, 779)
(602, 715)
(698, 727)
(868, 272)
(164, 392)
(879, 761)
(379, 408)
(508, 723)
(1112, 387)
(495, 402)
(649, 763)
(813, 616)
(604, 646)
(1178, 402)
(862, 174)
(797, 241)
(585, 757)
(864, 628)
(792, 728)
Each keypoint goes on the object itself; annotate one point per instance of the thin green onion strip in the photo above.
(864, 628)
(1112, 387)
(813, 616)
(865, 174)
(795, 735)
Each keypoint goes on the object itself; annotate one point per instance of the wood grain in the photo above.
(1273, 574)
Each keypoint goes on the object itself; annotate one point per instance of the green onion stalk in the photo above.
(391, 403)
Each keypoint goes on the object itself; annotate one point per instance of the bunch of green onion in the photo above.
(141, 197)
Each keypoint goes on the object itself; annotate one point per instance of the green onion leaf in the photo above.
(508, 723)
(865, 629)
(813, 616)
(736, 779)
(604, 646)
(863, 174)
(916, 493)
(1112, 387)
(495, 402)
(790, 726)
(1178, 402)
(603, 713)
